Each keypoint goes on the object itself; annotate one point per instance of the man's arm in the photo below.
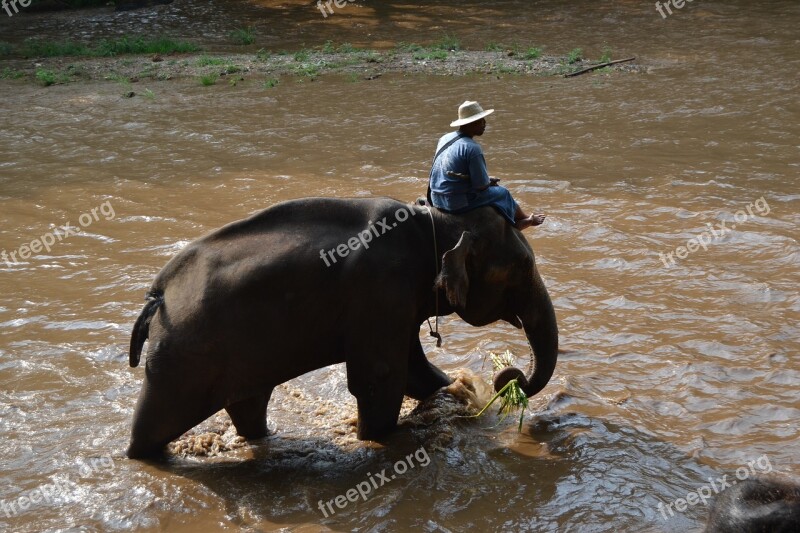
(477, 172)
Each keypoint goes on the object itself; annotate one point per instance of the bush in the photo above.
(243, 36)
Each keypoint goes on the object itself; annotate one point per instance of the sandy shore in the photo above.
(361, 64)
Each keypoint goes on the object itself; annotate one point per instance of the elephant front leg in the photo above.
(424, 378)
(378, 387)
(249, 416)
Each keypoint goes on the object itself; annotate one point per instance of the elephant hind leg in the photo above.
(379, 386)
(250, 416)
(378, 412)
(162, 416)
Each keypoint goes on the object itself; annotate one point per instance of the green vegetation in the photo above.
(148, 94)
(269, 83)
(205, 61)
(513, 397)
(494, 47)
(105, 48)
(532, 53)
(140, 45)
(574, 55)
(48, 77)
(505, 69)
(606, 57)
(243, 36)
(9, 74)
(347, 48)
(436, 51)
(263, 54)
(5, 48)
(409, 47)
(352, 77)
(448, 43)
(119, 78)
(370, 56)
(36, 48)
(431, 55)
(302, 55)
(306, 70)
(209, 79)
(328, 48)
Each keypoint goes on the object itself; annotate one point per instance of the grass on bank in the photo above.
(243, 36)
(575, 55)
(209, 79)
(532, 53)
(205, 61)
(47, 77)
(106, 47)
(11, 74)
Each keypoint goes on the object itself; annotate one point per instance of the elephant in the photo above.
(766, 503)
(312, 282)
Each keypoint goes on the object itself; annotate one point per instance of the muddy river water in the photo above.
(676, 368)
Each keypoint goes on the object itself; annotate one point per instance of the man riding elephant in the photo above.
(459, 181)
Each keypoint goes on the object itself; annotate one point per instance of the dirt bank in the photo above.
(269, 67)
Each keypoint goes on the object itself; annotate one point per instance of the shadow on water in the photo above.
(559, 474)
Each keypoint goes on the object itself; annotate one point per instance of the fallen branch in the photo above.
(595, 67)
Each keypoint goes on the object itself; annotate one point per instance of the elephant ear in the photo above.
(453, 277)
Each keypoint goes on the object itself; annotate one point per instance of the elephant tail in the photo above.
(141, 329)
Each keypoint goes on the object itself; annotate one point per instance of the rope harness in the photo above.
(434, 330)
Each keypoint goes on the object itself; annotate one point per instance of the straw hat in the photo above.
(470, 112)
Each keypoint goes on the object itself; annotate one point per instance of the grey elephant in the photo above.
(756, 505)
(313, 282)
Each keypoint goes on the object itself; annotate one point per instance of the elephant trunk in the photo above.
(541, 330)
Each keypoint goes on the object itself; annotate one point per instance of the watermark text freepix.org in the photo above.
(58, 489)
(326, 9)
(13, 5)
(717, 485)
(363, 238)
(677, 4)
(59, 234)
(364, 488)
(705, 238)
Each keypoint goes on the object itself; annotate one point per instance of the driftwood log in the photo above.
(595, 67)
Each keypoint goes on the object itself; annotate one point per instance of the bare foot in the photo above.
(533, 220)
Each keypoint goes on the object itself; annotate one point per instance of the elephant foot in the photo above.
(378, 413)
(375, 434)
(138, 450)
(161, 417)
(424, 378)
(249, 416)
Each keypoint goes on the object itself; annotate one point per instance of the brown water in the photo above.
(671, 374)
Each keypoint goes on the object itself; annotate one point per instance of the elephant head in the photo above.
(490, 274)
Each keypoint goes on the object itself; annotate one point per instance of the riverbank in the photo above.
(305, 64)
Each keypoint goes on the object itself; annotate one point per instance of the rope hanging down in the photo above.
(434, 330)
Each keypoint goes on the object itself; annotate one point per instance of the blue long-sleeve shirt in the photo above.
(464, 157)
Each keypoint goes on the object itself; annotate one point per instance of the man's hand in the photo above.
(493, 181)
